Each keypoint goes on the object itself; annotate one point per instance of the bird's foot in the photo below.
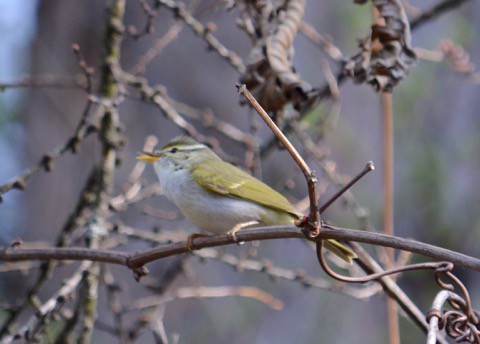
(232, 232)
(191, 237)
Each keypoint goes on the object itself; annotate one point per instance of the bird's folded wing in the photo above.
(226, 179)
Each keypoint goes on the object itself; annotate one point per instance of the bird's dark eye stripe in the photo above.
(174, 150)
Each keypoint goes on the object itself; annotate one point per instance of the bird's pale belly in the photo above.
(219, 214)
(216, 213)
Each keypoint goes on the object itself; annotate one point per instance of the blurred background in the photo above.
(437, 161)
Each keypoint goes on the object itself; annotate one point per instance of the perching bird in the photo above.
(218, 197)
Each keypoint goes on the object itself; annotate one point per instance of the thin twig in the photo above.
(47, 80)
(148, 27)
(435, 11)
(369, 167)
(209, 292)
(29, 330)
(172, 33)
(84, 128)
(204, 32)
(274, 272)
(314, 215)
(325, 44)
(372, 277)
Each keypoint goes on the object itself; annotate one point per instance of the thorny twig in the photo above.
(330, 173)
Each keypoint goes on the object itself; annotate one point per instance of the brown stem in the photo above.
(369, 167)
(138, 259)
(314, 216)
(435, 11)
(374, 276)
(388, 212)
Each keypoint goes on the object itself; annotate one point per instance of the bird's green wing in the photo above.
(223, 178)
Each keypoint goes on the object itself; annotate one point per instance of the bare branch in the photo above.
(436, 11)
(314, 216)
(210, 292)
(84, 129)
(46, 80)
(135, 260)
(204, 32)
(30, 330)
(327, 46)
(277, 273)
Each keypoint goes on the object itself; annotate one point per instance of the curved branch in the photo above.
(410, 245)
(139, 259)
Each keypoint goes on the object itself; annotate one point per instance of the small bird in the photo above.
(217, 196)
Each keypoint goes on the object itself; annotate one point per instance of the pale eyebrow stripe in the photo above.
(194, 147)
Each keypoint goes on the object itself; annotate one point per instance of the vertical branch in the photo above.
(381, 22)
(109, 138)
(109, 89)
(388, 206)
(88, 297)
(388, 168)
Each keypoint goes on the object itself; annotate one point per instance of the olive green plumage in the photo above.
(216, 195)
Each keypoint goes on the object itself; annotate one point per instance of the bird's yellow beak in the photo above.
(148, 157)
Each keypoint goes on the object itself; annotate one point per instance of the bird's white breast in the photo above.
(208, 211)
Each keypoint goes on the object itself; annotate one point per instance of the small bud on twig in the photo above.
(47, 162)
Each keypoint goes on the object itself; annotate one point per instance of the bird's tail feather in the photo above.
(340, 250)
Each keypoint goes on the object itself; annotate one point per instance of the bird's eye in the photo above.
(174, 150)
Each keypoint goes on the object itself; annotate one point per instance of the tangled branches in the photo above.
(100, 230)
